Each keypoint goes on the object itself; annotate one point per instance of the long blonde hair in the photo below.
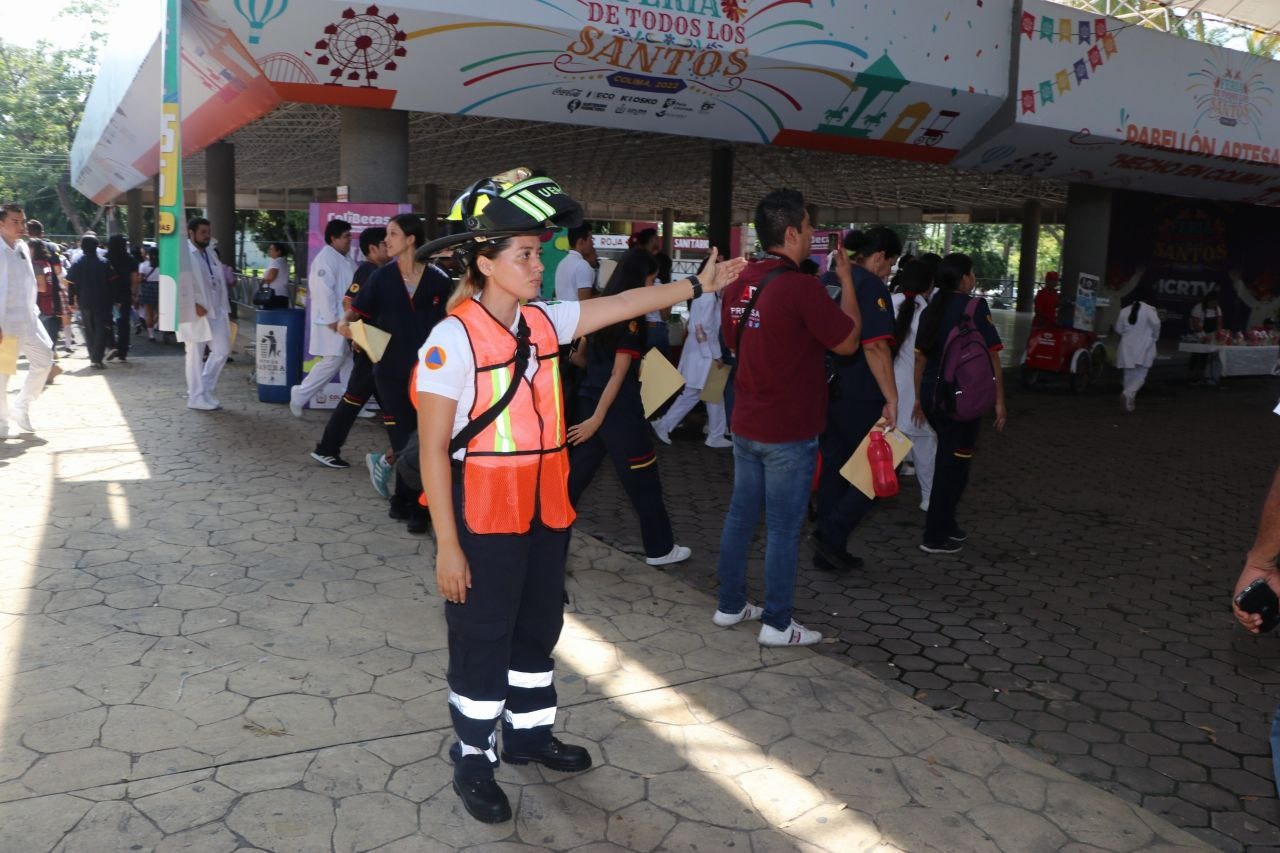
(473, 281)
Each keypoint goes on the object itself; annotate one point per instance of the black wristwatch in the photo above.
(697, 286)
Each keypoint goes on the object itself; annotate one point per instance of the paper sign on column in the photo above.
(659, 381)
(9, 355)
(371, 339)
(717, 379)
(235, 330)
(858, 469)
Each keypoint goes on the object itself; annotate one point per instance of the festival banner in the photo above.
(820, 75)
(1129, 107)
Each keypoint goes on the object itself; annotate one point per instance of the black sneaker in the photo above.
(330, 461)
(949, 547)
(958, 535)
(419, 521)
(832, 559)
(398, 512)
(565, 757)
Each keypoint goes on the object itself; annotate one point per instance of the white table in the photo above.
(1239, 361)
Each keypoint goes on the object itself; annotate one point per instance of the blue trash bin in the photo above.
(278, 360)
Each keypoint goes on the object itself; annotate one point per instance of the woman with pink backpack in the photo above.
(958, 379)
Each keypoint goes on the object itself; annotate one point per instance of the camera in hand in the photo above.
(1258, 597)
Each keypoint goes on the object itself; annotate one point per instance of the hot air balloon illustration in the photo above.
(259, 13)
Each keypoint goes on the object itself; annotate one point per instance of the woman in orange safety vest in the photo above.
(495, 471)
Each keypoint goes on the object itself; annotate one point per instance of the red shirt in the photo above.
(780, 390)
(1046, 308)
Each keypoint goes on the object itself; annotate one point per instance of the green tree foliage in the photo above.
(42, 94)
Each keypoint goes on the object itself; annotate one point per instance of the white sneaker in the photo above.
(1128, 402)
(795, 635)
(663, 435)
(295, 405)
(678, 554)
(202, 404)
(20, 416)
(719, 442)
(749, 613)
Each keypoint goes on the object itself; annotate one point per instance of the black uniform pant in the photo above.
(956, 443)
(401, 420)
(625, 437)
(123, 326)
(97, 323)
(841, 506)
(360, 387)
(501, 639)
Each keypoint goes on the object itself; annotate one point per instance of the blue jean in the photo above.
(774, 478)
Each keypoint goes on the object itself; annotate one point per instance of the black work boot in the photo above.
(565, 757)
(481, 796)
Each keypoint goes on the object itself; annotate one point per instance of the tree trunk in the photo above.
(69, 209)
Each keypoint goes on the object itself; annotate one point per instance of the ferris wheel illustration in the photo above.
(360, 45)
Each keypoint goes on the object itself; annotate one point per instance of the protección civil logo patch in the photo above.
(434, 359)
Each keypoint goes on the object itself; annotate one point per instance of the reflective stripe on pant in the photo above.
(501, 639)
(625, 437)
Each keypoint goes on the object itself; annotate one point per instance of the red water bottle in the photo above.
(884, 480)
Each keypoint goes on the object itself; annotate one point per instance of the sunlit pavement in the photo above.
(1087, 618)
(211, 643)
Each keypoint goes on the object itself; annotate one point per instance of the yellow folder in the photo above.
(717, 379)
(659, 381)
(9, 355)
(858, 469)
(371, 339)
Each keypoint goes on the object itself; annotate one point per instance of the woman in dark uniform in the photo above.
(611, 417)
(405, 298)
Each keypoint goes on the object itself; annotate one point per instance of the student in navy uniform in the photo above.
(360, 384)
(956, 439)
(863, 392)
(610, 417)
(406, 299)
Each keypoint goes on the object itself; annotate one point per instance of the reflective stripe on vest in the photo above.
(517, 467)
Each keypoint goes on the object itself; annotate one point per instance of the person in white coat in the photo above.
(701, 350)
(1139, 329)
(20, 319)
(204, 311)
(331, 274)
(914, 283)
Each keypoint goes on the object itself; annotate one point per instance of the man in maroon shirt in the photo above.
(780, 407)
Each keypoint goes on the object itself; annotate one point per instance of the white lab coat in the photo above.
(1137, 341)
(904, 366)
(203, 285)
(702, 342)
(330, 276)
(19, 315)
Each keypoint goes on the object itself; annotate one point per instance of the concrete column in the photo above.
(373, 157)
(1030, 247)
(720, 205)
(220, 186)
(669, 231)
(134, 208)
(1084, 247)
(431, 210)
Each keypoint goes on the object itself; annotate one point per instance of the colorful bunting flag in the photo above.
(1028, 101)
(1095, 58)
(1064, 82)
(1046, 92)
(1109, 44)
(1082, 72)
(1100, 28)
(1086, 35)
(1064, 30)
(1028, 25)
(1046, 28)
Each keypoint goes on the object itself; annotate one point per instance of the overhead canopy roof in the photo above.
(623, 174)
(1260, 14)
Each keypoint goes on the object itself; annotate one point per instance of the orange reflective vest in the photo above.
(518, 466)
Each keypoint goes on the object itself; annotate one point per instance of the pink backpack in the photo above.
(966, 387)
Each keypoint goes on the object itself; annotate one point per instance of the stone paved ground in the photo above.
(1088, 616)
(211, 644)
